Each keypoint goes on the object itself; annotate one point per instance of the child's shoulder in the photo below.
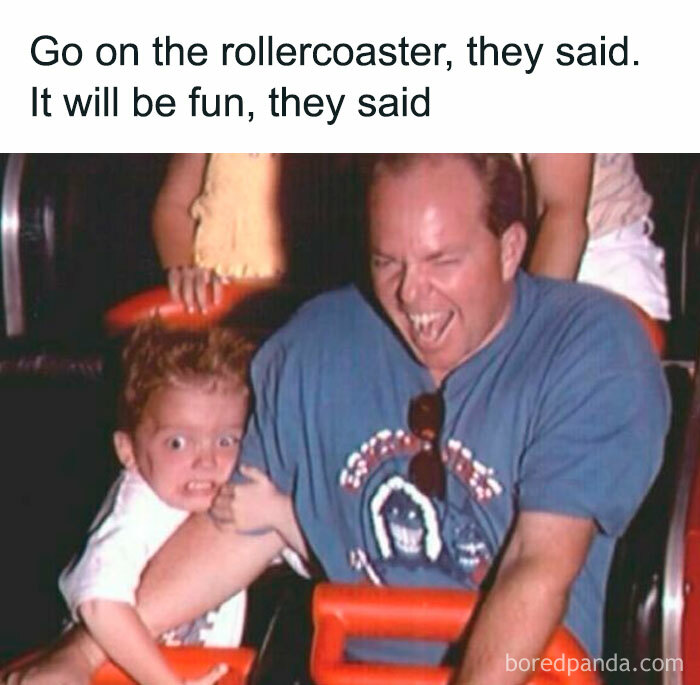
(132, 504)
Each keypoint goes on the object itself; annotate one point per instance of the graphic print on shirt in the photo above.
(220, 627)
(404, 531)
(189, 634)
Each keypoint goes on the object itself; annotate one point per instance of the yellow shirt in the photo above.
(239, 232)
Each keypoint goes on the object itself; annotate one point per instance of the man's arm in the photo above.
(529, 597)
(198, 568)
(562, 185)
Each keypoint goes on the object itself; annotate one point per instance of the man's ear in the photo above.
(124, 447)
(513, 242)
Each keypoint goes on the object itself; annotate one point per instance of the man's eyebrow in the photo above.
(446, 252)
(376, 252)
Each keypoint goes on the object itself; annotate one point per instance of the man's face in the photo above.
(442, 277)
(187, 442)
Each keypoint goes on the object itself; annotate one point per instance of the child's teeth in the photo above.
(199, 485)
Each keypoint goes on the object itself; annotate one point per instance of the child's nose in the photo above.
(206, 456)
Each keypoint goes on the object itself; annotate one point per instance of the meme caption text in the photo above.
(266, 51)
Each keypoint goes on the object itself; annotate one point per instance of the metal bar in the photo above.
(9, 230)
(673, 600)
(49, 226)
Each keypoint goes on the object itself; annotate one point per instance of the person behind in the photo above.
(183, 410)
(462, 425)
(209, 227)
(594, 227)
(592, 213)
(260, 217)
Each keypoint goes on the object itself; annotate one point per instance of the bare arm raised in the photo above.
(174, 228)
(562, 185)
(172, 224)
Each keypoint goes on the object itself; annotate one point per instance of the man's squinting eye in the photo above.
(228, 441)
(447, 261)
(177, 443)
(381, 262)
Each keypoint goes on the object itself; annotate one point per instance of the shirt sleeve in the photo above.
(109, 569)
(597, 439)
(267, 444)
(131, 530)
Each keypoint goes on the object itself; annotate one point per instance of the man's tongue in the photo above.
(427, 328)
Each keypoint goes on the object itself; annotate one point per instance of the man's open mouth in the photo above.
(427, 328)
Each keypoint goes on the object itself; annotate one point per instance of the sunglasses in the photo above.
(426, 414)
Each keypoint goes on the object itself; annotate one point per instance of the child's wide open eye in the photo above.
(228, 441)
(177, 443)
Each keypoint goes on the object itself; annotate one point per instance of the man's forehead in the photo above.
(431, 182)
(436, 203)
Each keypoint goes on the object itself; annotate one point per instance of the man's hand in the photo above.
(196, 288)
(257, 504)
(221, 510)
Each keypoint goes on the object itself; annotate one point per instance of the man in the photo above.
(465, 426)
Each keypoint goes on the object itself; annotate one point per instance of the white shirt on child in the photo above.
(131, 526)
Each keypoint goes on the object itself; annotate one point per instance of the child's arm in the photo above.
(119, 630)
(257, 505)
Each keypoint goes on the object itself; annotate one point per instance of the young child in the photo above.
(183, 412)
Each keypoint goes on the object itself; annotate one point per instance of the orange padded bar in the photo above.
(158, 302)
(653, 329)
(342, 611)
(187, 662)
(190, 662)
(371, 611)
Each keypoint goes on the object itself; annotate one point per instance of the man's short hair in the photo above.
(499, 175)
(156, 356)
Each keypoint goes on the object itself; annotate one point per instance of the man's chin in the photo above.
(437, 364)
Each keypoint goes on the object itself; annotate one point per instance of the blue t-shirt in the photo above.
(564, 411)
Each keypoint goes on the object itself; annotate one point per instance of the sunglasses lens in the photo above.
(426, 414)
(427, 473)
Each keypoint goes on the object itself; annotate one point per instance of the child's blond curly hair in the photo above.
(156, 356)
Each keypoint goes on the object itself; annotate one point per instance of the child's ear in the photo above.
(124, 447)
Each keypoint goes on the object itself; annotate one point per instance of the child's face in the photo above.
(187, 442)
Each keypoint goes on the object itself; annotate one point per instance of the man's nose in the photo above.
(410, 284)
